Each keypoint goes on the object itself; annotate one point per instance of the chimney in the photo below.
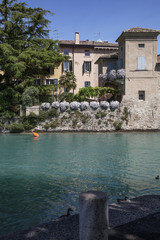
(76, 37)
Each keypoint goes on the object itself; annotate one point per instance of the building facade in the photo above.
(138, 55)
(83, 56)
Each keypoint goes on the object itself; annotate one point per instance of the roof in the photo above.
(88, 43)
(107, 56)
(136, 30)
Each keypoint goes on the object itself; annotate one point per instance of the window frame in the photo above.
(87, 66)
(86, 84)
(141, 95)
(141, 45)
(87, 53)
(141, 63)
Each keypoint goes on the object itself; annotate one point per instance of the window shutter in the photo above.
(143, 62)
(83, 68)
(89, 66)
(139, 63)
(70, 65)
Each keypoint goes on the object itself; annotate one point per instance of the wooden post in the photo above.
(93, 217)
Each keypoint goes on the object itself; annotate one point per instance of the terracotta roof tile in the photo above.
(138, 29)
(89, 43)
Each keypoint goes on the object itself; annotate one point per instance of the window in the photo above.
(38, 82)
(141, 45)
(55, 81)
(141, 95)
(67, 66)
(141, 63)
(87, 53)
(86, 67)
(50, 70)
(87, 83)
(51, 81)
(66, 52)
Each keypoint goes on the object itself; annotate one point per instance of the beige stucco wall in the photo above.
(78, 57)
(139, 80)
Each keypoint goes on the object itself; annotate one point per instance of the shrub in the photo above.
(16, 128)
(100, 114)
(54, 124)
(53, 113)
(74, 122)
(30, 96)
(42, 116)
(118, 125)
(47, 126)
(84, 118)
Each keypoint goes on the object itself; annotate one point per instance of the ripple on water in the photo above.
(40, 179)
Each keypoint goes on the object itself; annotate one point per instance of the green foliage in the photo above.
(68, 81)
(74, 122)
(30, 96)
(47, 126)
(99, 122)
(53, 113)
(54, 124)
(100, 114)
(25, 51)
(16, 127)
(118, 125)
(84, 118)
(90, 92)
(43, 115)
(125, 115)
(68, 97)
(46, 93)
(30, 121)
(9, 100)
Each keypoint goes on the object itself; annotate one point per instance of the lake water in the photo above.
(41, 178)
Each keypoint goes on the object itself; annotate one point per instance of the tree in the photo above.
(68, 81)
(30, 96)
(26, 52)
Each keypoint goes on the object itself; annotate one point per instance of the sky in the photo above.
(95, 19)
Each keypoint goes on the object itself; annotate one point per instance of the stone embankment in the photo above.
(128, 115)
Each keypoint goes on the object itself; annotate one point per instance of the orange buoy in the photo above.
(35, 134)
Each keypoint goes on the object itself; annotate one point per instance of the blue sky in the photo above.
(90, 17)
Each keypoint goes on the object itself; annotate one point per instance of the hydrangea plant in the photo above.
(55, 105)
(114, 105)
(104, 104)
(45, 106)
(74, 105)
(64, 106)
(94, 105)
(84, 106)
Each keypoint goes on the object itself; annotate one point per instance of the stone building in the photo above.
(83, 55)
(138, 56)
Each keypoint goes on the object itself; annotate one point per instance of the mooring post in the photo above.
(93, 216)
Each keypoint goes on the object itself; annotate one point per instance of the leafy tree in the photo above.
(26, 52)
(30, 96)
(68, 81)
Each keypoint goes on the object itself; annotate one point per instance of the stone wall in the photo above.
(129, 115)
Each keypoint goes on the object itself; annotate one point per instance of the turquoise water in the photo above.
(41, 178)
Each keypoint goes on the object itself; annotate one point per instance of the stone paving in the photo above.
(134, 219)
